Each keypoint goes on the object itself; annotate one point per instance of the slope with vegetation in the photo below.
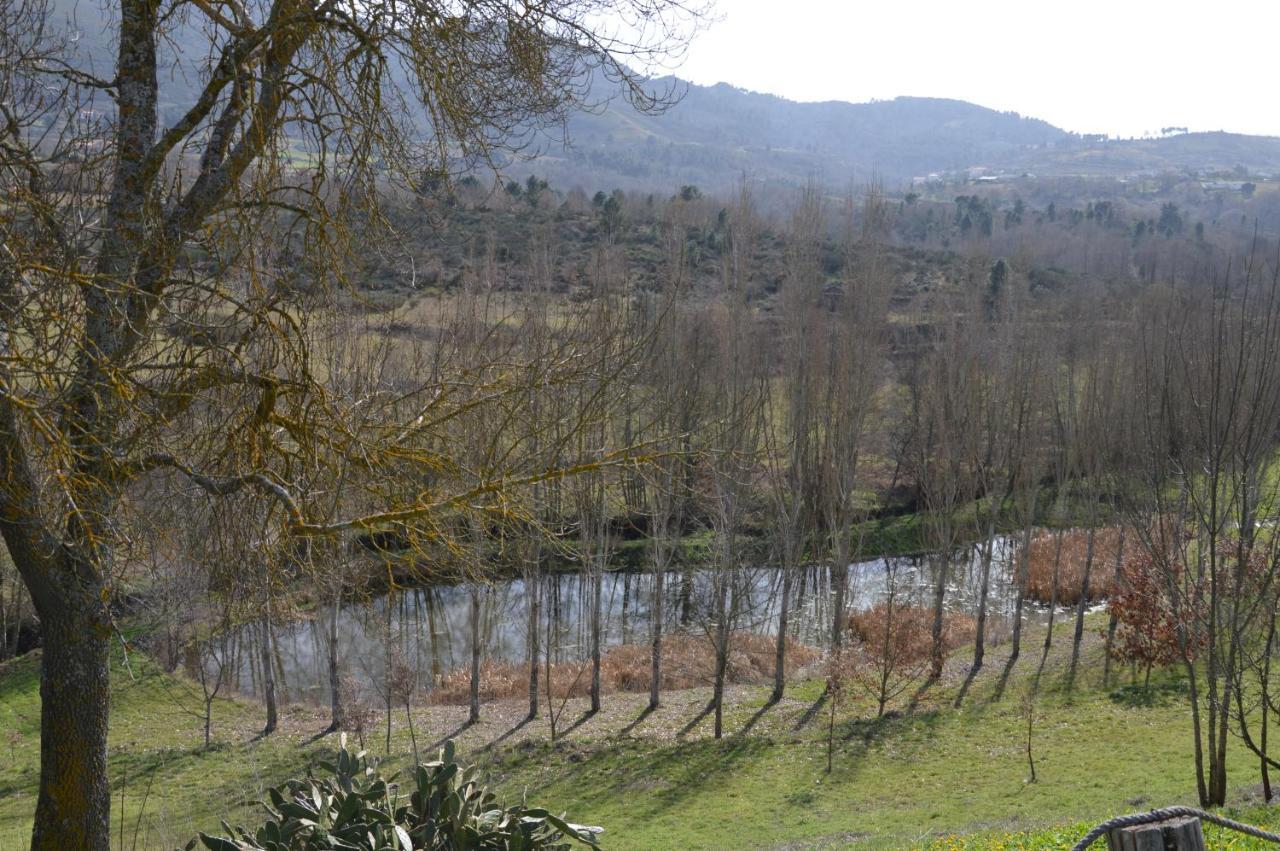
(928, 776)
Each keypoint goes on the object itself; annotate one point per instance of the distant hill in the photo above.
(716, 134)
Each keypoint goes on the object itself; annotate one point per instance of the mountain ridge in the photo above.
(716, 135)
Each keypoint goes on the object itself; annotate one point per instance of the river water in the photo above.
(431, 626)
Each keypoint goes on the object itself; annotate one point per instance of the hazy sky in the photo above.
(1103, 66)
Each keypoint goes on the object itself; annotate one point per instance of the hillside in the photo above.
(716, 134)
(713, 135)
(938, 778)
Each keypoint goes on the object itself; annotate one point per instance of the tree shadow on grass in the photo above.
(323, 734)
(919, 694)
(806, 718)
(870, 730)
(1003, 682)
(681, 771)
(644, 713)
(697, 719)
(520, 725)
(458, 731)
(1140, 696)
(760, 713)
(582, 719)
(974, 670)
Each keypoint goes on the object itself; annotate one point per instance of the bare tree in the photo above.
(675, 410)
(789, 425)
(851, 373)
(1026, 469)
(1097, 451)
(943, 397)
(1208, 381)
(732, 442)
(97, 262)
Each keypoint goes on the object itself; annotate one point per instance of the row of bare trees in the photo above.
(754, 421)
(179, 317)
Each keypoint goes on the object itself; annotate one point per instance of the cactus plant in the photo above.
(349, 806)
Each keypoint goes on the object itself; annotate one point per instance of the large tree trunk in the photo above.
(1202, 792)
(1053, 602)
(840, 588)
(1113, 621)
(722, 655)
(686, 597)
(73, 810)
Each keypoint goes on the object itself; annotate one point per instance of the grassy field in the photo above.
(935, 776)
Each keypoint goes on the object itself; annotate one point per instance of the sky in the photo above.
(1120, 67)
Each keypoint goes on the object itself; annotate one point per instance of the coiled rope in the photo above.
(1170, 813)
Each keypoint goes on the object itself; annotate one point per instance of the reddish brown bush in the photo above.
(1147, 619)
(688, 661)
(893, 645)
(911, 633)
(1070, 565)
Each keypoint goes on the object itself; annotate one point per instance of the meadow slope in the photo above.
(933, 776)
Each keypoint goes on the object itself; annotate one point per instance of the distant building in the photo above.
(1223, 185)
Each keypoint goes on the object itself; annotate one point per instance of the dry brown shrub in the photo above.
(1075, 543)
(911, 638)
(688, 661)
(358, 715)
(893, 645)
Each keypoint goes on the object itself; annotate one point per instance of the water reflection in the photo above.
(431, 627)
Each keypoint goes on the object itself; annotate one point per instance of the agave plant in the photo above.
(349, 806)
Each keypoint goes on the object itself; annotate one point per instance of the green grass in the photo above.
(936, 777)
(894, 784)
(155, 750)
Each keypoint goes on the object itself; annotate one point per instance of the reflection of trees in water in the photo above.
(430, 628)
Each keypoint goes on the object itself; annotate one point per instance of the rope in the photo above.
(1170, 813)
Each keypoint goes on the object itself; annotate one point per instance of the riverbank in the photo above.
(659, 780)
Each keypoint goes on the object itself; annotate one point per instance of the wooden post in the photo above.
(1176, 834)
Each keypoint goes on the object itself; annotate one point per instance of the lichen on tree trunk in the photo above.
(73, 809)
